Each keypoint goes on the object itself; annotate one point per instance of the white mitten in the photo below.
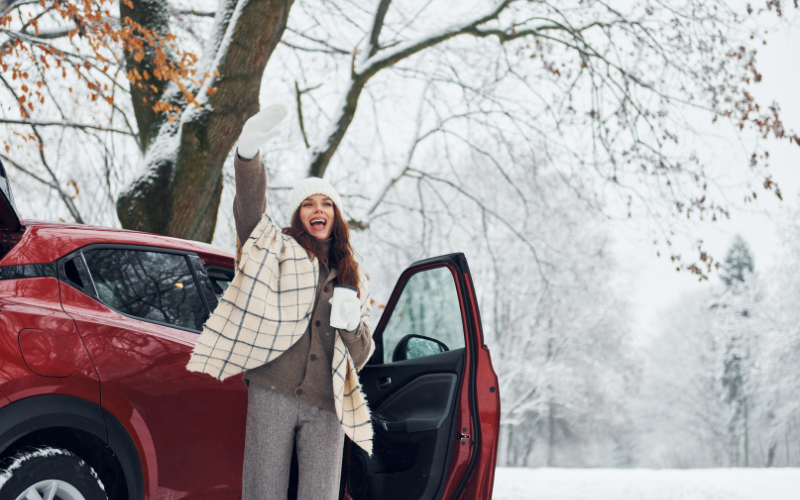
(351, 310)
(260, 128)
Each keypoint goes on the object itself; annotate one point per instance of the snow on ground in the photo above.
(647, 484)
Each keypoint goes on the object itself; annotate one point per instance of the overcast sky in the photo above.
(653, 281)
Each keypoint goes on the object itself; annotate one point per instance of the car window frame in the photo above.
(202, 282)
(230, 272)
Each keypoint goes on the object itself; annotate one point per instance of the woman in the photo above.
(273, 324)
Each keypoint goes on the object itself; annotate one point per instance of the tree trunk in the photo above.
(551, 435)
(771, 454)
(746, 436)
(153, 14)
(179, 190)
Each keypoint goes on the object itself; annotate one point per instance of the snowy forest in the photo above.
(518, 132)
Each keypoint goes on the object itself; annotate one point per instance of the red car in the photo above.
(96, 328)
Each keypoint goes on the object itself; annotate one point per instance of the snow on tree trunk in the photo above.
(178, 189)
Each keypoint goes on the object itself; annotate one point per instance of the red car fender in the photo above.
(132, 420)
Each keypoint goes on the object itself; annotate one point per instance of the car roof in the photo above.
(46, 241)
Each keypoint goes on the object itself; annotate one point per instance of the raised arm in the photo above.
(250, 201)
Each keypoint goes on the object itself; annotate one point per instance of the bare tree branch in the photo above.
(18, 3)
(322, 153)
(73, 209)
(311, 49)
(392, 181)
(50, 34)
(196, 13)
(491, 212)
(377, 26)
(31, 174)
(298, 95)
(388, 57)
(65, 124)
(336, 50)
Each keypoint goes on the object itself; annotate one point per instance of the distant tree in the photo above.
(680, 417)
(720, 371)
(778, 410)
(738, 263)
(738, 334)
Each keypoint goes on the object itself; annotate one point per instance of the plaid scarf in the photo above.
(266, 309)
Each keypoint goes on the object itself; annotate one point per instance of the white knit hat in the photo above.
(311, 186)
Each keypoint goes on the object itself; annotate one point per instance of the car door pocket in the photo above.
(421, 405)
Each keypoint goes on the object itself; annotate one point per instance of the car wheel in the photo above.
(51, 474)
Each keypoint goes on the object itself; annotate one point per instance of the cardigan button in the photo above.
(313, 357)
(325, 289)
(317, 323)
(299, 392)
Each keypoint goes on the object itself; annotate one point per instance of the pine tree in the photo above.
(737, 333)
(738, 261)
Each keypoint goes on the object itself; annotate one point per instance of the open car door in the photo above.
(432, 391)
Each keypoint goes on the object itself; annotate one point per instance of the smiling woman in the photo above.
(273, 324)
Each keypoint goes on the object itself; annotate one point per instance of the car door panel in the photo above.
(413, 424)
(189, 426)
(422, 405)
(374, 377)
(425, 410)
(419, 453)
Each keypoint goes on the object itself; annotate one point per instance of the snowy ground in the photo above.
(647, 484)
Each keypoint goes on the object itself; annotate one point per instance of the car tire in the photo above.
(35, 473)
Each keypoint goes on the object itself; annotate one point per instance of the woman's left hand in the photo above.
(351, 309)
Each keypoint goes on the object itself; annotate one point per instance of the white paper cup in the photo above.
(340, 292)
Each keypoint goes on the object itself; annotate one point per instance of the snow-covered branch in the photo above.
(376, 60)
(380, 59)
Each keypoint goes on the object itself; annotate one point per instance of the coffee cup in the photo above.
(340, 292)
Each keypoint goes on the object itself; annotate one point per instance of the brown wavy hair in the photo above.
(341, 253)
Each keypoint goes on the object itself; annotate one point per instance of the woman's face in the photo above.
(316, 212)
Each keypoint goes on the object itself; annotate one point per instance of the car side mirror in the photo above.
(417, 346)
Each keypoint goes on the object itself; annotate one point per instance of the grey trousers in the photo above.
(275, 422)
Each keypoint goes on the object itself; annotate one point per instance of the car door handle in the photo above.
(387, 426)
(384, 382)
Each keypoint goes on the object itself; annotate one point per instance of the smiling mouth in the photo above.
(318, 224)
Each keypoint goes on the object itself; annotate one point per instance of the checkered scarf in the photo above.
(266, 309)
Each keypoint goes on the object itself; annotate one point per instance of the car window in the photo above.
(220, 280)
(426, 319)
(149, 285)
(73, 272)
